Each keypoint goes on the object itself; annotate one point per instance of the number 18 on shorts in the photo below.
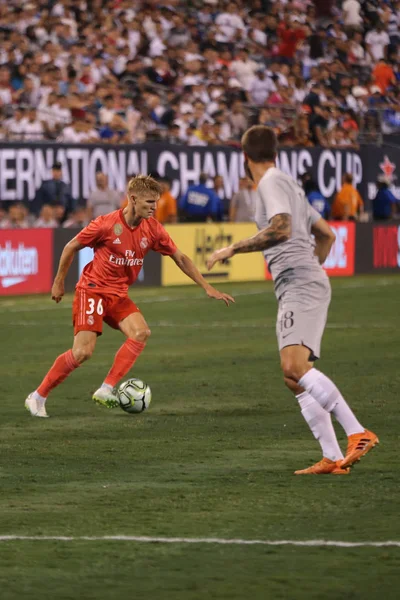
(299, 324)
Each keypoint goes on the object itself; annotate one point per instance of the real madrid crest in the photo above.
(118, 229)
(144, 243)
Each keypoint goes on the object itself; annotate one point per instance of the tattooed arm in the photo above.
(278, 231)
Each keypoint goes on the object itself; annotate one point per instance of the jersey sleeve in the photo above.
(275, 197)
(163, 243)
(313, 215)
(92, 234)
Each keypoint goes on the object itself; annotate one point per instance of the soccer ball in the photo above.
(134, 396)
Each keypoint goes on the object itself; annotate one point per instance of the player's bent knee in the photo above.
(293, 370)
(142, 335)
(82, 353)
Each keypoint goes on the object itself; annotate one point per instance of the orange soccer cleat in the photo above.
(358, 445)
(324, 467)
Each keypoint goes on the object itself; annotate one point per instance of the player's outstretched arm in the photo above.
(66, 258)
(324, 239)
(278, 231)
(187, 267)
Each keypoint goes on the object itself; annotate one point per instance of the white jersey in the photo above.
(293, 261)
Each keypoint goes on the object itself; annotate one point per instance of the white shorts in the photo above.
(302, 316)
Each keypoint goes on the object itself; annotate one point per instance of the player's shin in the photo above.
(325, 392)
(124, 361)
(320, 423)
(61, 368)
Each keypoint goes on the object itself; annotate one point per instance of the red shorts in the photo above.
(90, 309)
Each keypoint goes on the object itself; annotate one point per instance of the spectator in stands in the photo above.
(352, 18)
(32, 127)
(314, 196)
(6, 90)
(102, 200)
(356, 53)
(46, 218)
(220, 118)
(14, 127)
(319, 125)
(3, 215)
(28, 94)
(166, 210)
(77, 133)
(238, 120)
(260, 87)
(393, 24)
(348, 204)
(115, 132)
(291, 33)
(384, 204)
(108, 110)
(219, 189)
(383, 75)
(17, 217)
(59, 213)
(340, 138)
(377, 42)
(200, 203)
(302, 132)
(244, 69)
(54, 192)
(243, 203)
(77, 219)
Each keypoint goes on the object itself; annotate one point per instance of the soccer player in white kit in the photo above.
(286, 221)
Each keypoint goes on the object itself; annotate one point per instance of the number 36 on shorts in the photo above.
(95, 306)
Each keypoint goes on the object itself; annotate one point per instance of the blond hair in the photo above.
(144, 183)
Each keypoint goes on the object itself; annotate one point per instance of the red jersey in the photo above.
(119, 251)
(289, 39)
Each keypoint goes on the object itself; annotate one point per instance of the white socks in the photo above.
(40, 399)
(107, 386)
(320, 423)
(325, 392)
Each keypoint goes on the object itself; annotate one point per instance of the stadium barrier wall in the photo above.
(29, 257)
(23, 167)
(26, 261)
(378, 248)
(198, 241)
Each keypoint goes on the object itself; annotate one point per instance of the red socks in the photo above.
(66, 363)
(124, 360)
(62, 367)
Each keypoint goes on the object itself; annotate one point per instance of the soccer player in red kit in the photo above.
(120, 240)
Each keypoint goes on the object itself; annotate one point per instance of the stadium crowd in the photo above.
(199, 72)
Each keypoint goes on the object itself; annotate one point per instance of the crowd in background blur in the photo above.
(203, 202)
(320, 72)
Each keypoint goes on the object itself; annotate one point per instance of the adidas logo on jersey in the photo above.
(117, 241)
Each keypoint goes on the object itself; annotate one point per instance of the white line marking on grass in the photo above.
(247, 325)
(30, 306)
(182, 540)
(145, 300)
(221, 324)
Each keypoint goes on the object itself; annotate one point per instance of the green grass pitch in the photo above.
(213, 457)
